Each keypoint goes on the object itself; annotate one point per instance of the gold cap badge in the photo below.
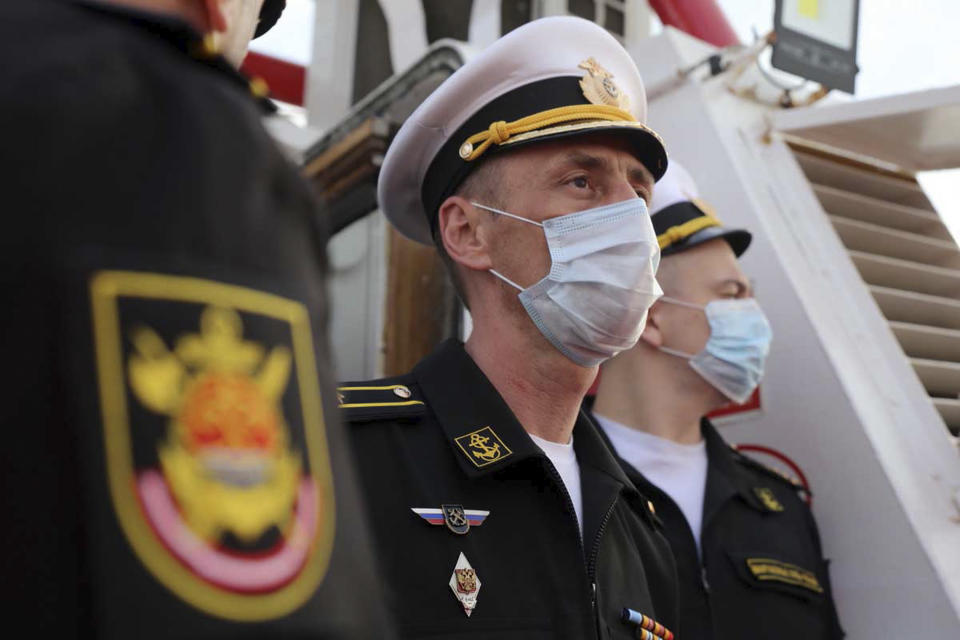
(599, 88)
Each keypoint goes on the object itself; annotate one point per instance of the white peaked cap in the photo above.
(675, 186)
(682, 220)
(537, 67)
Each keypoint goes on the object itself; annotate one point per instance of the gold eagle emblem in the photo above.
(227, 459)
(599, 88)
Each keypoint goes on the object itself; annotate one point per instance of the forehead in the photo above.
(704, 265)
(599, 145)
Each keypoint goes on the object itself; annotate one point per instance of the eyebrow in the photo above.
(741, 286)
(585, 160)
(639, 174)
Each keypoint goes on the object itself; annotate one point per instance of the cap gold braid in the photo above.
(685, 230)
(501, 131)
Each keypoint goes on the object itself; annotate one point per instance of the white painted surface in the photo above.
(407, 28)
(330, 76)
(914, 131)
(484, 22)
(357, 291)
(291, 39)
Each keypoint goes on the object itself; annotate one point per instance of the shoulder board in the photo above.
(756, 465)
(379, 400)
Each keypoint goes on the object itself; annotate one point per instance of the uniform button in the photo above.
(465, 150)
(402, 391)
(259, 87)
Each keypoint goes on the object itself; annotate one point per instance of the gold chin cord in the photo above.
(501, 131)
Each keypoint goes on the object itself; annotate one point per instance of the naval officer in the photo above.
(168, 470)
(498, 510)
(748, 554)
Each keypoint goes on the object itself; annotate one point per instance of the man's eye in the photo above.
(580, 182)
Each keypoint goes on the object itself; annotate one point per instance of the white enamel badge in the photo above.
(465, 584)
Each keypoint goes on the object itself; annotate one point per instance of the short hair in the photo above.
(480, 185)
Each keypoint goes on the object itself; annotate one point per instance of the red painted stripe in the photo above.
(702, 19)
(782, 457)
(287, 81)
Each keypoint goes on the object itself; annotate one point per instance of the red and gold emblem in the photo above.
(216, 448)
(465, 584)
(466, 580)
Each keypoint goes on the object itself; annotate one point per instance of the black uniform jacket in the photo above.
(762, 575)
(154, 239)
(442, 435)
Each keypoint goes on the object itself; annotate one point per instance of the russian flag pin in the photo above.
(457, 519)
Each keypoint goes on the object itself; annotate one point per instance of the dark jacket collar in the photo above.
(182, 37)
(725, 479)
(483, 433)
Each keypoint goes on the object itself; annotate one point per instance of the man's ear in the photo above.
(462, 234)
(216, 18)
(652, 335)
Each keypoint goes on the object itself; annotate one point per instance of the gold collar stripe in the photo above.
(389, 387)
(358, 405)
(685, 230)
(501, 131)
(399, 390)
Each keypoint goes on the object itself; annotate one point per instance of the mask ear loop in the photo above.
(677, 352)
(515, 217)
(504, 213)
(505, 279)
(682, 303)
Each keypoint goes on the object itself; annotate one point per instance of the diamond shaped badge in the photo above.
(465, 584)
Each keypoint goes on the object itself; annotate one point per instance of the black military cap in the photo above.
(269, 14)
(682, 220)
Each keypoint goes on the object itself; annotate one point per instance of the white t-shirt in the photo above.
(564, 460)
(679, 470)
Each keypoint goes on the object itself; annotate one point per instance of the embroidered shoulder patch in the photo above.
(215, 440)
(483, 447)
(768, 569)
(768, 498)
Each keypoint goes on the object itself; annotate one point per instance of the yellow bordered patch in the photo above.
(215, 440)
(483, 447)
(768, 569)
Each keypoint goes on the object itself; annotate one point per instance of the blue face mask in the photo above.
(732, 360)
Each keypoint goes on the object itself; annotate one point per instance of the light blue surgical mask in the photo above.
(593, 304)
(732, 360)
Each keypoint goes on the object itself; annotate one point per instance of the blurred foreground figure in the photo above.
(747, 549)
(172, 467)
(498, 510)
